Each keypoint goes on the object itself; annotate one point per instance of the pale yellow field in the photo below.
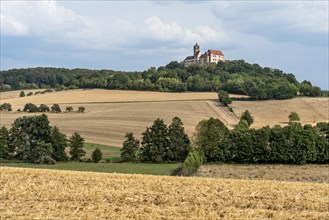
(310, 110)
(110, 114)
(49, 194)
(101, 96)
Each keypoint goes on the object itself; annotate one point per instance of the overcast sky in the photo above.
(135, 35)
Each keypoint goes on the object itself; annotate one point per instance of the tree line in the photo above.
(32, 139)
(291, 144)
(160, 143)
(31, 108)
(236, 76)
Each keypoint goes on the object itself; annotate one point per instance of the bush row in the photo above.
(192, 163)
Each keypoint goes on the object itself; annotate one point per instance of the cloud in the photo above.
(278, 21)
(172, 31)
(37, 18)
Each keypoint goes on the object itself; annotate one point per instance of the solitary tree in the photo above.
(22, 94)
(55, 108)
(129, 150)
(97, 155)
(29, 107)
(224, 98)
(69, 108)
(5, 107)
(247, 117)
(76, 146)
(43, 108)
(81, 109)
(293, 117)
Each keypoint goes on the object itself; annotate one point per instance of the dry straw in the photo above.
(48, 194)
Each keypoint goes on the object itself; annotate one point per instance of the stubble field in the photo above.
(110, 114)
(272, 112)
(40, 194)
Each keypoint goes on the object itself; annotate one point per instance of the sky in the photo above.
(135, 35)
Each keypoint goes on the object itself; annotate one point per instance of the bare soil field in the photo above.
(110, 114)
(302, 173)
(48, 194)
(271, 112)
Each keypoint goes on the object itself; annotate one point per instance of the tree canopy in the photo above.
(232, 76)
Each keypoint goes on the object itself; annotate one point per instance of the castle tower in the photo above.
(197, 52)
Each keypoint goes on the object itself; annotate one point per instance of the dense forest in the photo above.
(236, 76)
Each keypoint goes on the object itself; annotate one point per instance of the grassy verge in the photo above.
(109, 152)
(132, 168)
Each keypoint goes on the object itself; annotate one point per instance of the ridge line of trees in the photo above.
(236, 76)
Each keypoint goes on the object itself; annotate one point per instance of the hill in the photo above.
(111, 113)
(84, 195)
(235, 76)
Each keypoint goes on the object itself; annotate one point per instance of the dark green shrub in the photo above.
(97, 155)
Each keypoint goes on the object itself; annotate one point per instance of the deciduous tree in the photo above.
(247, 117)
(55, 108)
(179, 142)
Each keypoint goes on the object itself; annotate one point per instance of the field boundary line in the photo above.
(148, 101)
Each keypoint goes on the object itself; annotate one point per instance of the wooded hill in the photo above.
(236, 76)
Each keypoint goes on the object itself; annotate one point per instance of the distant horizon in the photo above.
(132, 36)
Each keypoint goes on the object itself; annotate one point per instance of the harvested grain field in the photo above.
(110, 114)
(80, 96)
(48, 194)
(271, 112)
(280, 172)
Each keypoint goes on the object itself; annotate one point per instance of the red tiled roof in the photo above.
(216, 52)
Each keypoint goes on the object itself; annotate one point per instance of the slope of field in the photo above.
(80, 96)
(271, 112)
(110, 114)
(48, 194)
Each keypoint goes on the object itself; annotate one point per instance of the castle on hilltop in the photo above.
(210, 56)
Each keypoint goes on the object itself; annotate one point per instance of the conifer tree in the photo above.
(155, 142)
(76, 146)
(97, 155)
(59, 143)
(129, 150)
